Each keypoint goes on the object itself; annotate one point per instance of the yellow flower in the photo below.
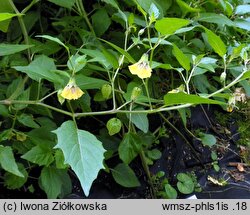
(141, 68)
(72, 91)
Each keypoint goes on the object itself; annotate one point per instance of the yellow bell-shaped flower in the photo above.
(72, 91)
(141, 68)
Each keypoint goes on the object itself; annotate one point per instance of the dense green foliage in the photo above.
(79, 79)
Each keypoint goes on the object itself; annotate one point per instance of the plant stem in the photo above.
(85, 16)
(146, 87)
(19, 89)
(29, 6)
(118, 110)
(119, 67)
(146, 169)
(130, 117)
(73, 113)
(182, 136)
(189, 78)
(22, 26)
(10, 102)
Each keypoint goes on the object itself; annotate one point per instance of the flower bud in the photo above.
(141, 32)
(231, 103)
(223, 77)
(136, 92)
(106, 91)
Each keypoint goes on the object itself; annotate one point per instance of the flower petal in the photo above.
(141, 69)
(144, 73)
(73, 92)
(134, 69)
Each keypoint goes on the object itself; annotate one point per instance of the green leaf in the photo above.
(207, 139)
(140, 120)
(25, 95)
(184, 113)
(125, 176)
(54, 39)
(16, 83)
(76, 62)
(64, 3)
(246, 75)
(86, 83)
(53, 180)
(97, 56)
(129, 147)
(8, 49)
(41, 68)
(160, 6)
(6, 135)
(185, 183)
(4, 111)
(6, 16)
(110, 58)
(121, 51)
(215, 18)
(153, 12)
(168, 26)
(214, 156)
(7, 161)
(236, 52)
(183, 98)
(181, 57)
(5, 8)
(170, 192)
(154, 154)
(114, 126)
(112, 2)
(59, 159)
(202, 84)
(82, 151)
(27, 120)
(15, 182)
(185, 8)
(115, 5)
(242, 9)
(243, 24)
(216, 43)
(216, 167)
(41, 155)
(101, 22)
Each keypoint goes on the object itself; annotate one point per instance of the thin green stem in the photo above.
(118, 69)
(146, 87)
(236, 80)
(148, 31)
(130, 117)
(182, 136)
(146, 169)
(189, 78)
(45, 97)
(38, 89)
(22, 26)
(73, 113)
(10, 102)
(123, 105)
(19, 89)
(29, 6)
(85, 16)
(14, 121)
(118, 110)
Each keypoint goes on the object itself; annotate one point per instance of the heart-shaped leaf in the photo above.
(82, 151)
